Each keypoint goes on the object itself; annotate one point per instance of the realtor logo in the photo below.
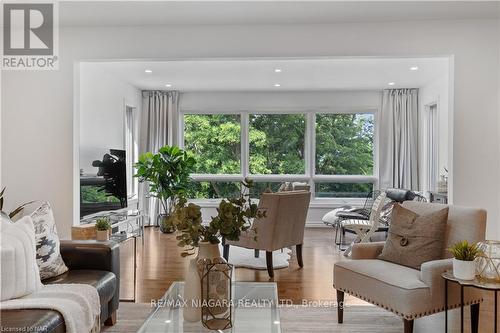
(30, 36)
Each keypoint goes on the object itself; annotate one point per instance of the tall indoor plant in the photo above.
(167, 173)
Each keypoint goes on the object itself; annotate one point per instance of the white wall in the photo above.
(434, 92)
(281, 101)
(102, 111)
(37, 119)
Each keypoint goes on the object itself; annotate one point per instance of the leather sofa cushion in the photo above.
(105, 282)
(34, 320)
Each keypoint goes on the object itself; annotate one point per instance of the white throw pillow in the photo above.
(48, 254)
(19, 273)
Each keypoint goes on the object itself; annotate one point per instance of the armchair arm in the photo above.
(90, 254)
(430, 273)
(367, 250)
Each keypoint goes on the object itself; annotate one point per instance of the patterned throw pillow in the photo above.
(415, 239)
(48, 257)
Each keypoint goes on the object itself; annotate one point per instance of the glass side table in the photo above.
(255, 310)
(476, 283)
(121, 238)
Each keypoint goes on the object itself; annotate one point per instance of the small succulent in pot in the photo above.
(103, 226)
(464, 254)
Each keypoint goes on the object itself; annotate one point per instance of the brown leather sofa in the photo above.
(89, 262)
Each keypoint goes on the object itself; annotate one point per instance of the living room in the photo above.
(346, 101)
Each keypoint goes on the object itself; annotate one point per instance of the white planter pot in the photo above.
(464, 270)
(192, 286)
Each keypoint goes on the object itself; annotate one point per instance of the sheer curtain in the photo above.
(159, 114)
(398, 139)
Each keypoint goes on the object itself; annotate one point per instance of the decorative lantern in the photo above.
(488, 261)
(216, 294)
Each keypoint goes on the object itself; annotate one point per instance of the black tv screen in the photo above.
(104, 188)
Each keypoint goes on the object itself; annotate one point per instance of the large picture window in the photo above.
(277, 143)
(332, 152)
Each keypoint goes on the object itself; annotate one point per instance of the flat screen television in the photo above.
(103, 183)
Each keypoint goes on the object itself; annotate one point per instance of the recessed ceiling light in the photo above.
(168, 321)
(168, 85)
(391, 83)
(277, 85)
(414, 68)
(276, 322)
(148, 71)
(277, 70)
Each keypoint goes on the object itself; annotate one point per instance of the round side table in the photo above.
(476, 283)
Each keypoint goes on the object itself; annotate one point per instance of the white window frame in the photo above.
(432, 145)
(130, 141)
(310, 175)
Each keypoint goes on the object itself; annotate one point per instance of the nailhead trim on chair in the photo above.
(408, 316)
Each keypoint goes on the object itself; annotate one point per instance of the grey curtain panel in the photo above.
(159, 114)
(398, 139)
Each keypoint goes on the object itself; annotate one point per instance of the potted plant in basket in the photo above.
(234, 216)
(464, 267)
(167, 173)
(103, 226)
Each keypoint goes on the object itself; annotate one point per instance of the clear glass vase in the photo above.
(488, 261)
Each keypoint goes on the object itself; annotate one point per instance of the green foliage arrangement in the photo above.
(167, 173)
(465, 251)
(15, 211)
(103, 224)
(234, 215)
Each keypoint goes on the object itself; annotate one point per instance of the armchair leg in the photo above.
(299, 255)
(340, 306)
(225, 251)
(474, 318)
(111, 320)
(256, 253)
(408, 324)
(269, 262)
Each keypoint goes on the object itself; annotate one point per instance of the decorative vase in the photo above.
(192, 285)
(102, 235)
(161, 220)
(488, 261)
(464, 270)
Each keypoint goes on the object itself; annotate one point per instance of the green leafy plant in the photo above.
(167, 173)
(464, 251)
(16, 211)
(103, 224)
(234, 216)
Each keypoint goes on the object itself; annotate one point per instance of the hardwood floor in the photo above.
(159, 263)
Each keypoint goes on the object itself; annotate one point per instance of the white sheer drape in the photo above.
(159, 114)
(398, 139)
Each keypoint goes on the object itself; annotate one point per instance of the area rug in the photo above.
(245, 258)
(292, 319)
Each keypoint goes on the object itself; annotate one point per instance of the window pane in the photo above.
(215, 142)
(277, 143)
(343, 190)
(213, 190)
(261, 187)
(344, 144)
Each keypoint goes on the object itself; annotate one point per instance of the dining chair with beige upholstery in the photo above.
(408, 292)
(282, 226)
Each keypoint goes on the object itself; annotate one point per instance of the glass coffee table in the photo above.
(255, 310)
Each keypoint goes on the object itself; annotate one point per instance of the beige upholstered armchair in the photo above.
(283, 226)
(407, 292)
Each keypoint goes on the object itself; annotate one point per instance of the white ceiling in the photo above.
(145, 13)
(260, 75)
